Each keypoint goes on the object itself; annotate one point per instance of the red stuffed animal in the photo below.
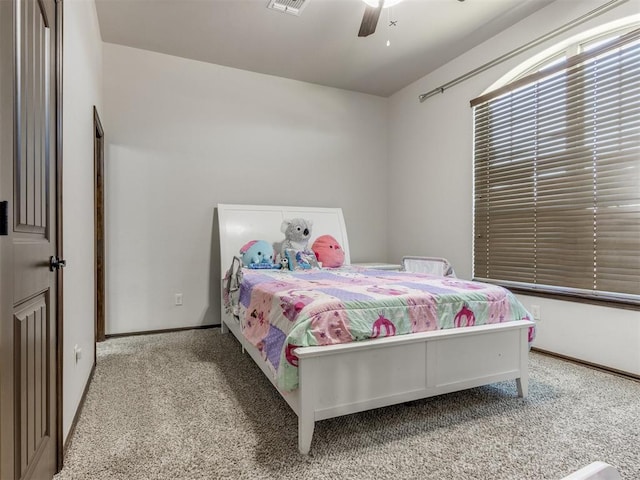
(328, 251)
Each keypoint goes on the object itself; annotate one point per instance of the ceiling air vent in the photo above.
(293, 7)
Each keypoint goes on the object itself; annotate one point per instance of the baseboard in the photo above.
(584, 363)
(164, 330)
(76, 417)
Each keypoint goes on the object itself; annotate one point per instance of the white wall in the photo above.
(82, 90)
(183, 136)
(431, 210)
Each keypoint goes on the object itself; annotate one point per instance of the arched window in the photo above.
(557, 173)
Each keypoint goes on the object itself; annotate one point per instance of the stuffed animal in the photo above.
(257, 252)
(296, 235)
(328, 251)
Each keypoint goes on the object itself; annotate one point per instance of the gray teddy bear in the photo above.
(297, 233)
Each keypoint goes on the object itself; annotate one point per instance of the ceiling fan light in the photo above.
(387, 3)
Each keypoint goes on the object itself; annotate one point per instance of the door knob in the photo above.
(56, 263)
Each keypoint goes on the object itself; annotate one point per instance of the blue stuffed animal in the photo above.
(257, 254)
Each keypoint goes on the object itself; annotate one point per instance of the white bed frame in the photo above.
(341, 379)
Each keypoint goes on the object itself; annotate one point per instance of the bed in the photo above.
(343, 378)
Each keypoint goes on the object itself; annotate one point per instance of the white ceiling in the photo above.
(321, 45)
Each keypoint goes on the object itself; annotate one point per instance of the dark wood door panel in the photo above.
(33, 115)
(31, 364)
(31, 275)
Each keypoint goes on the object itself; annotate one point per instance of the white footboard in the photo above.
(342, 379)
(364, 375)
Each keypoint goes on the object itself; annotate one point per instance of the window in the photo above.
(557, 175)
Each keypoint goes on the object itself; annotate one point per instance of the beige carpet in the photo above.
(190, 405)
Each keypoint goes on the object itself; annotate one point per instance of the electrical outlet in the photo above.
(178, 299)
(535, 311)
(77, 353)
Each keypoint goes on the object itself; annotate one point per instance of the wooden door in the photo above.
(28, 321)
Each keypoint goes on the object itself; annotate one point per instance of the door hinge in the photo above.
(4, 218)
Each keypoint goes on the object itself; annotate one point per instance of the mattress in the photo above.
(282, 310)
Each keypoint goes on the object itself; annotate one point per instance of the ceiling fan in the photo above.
(372, 14)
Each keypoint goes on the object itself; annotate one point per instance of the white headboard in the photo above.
(242, 223)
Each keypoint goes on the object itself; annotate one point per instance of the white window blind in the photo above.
(557, 177)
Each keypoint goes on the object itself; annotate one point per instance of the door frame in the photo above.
(98, 167)
(59, 238)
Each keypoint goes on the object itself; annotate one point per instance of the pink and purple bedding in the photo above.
(282, 310)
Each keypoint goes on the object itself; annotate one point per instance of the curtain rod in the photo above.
(574, 23)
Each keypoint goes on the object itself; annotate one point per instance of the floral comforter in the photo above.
(282, 310)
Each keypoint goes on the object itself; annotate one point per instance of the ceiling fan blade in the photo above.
(370, 20)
